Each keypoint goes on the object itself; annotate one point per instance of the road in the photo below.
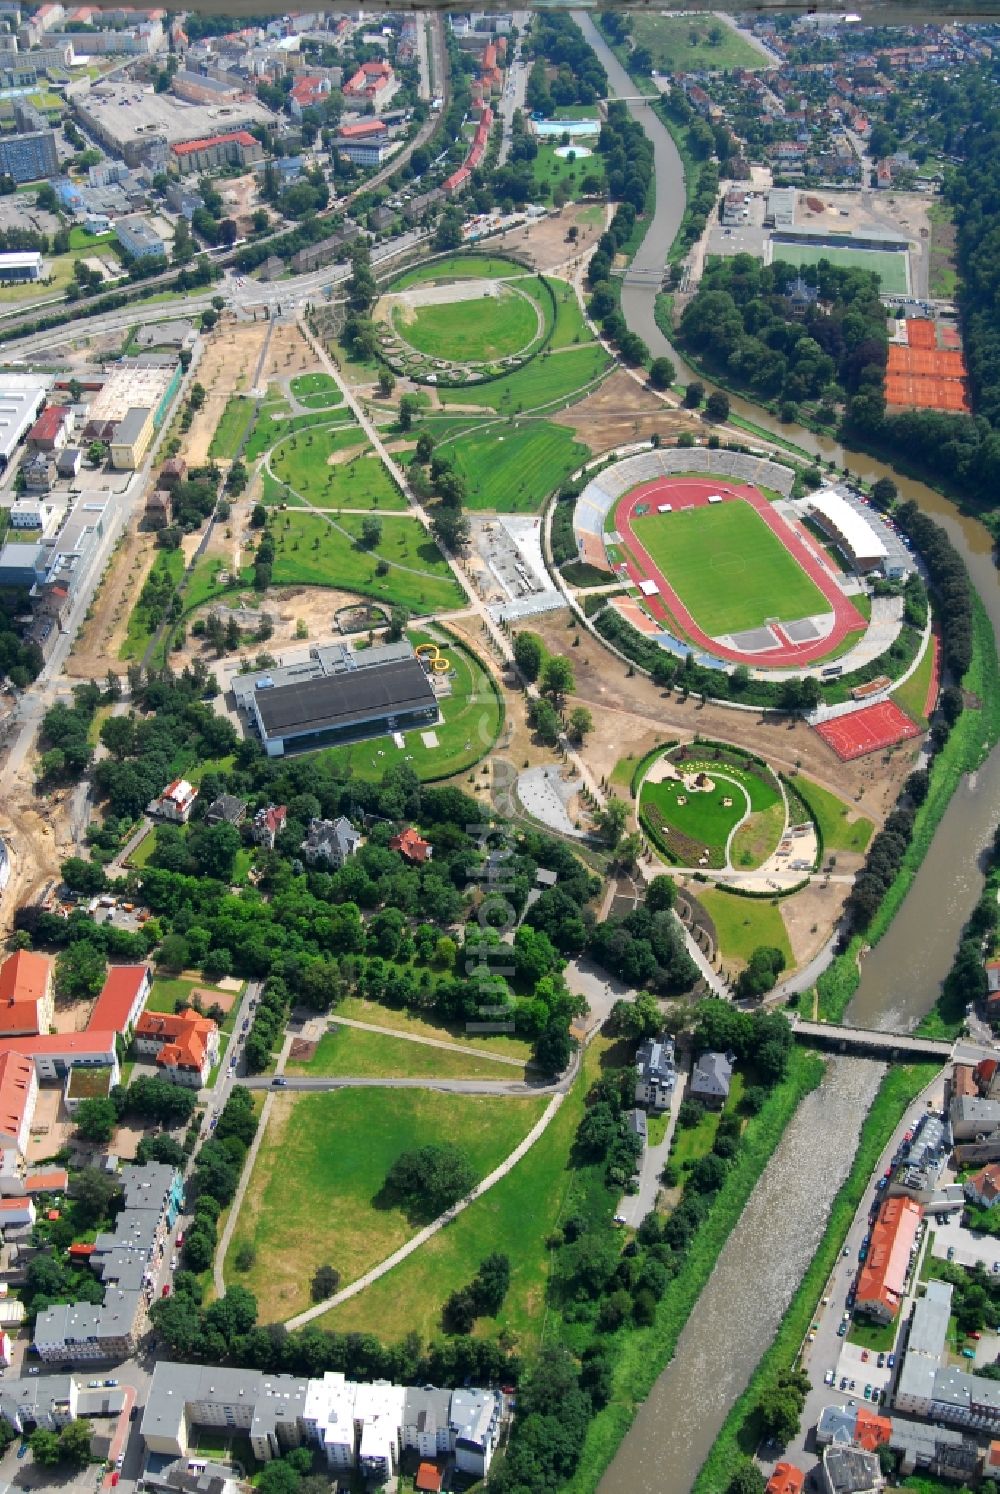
(634, 1207)
(515, 87)
(644, 276)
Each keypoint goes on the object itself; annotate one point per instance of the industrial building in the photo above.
(131, 439)
(29, 157)
(197, 88)
(129, 384)
(21, 266)
(337, 695)
(372, 150)
(129, 120)
(21, 398)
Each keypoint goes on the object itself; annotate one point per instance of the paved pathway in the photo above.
(427, 1042)
(537, 1130)
(635, 1206)
(218, 1278)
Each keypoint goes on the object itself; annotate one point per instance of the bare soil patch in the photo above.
(227, 368)
(99, 641)
(288, 354)
(622, 411)
(302, 1050)
(544, 243)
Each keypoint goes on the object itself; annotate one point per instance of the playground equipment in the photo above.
(438, 662)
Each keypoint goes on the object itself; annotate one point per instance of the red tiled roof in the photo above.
(16, 1075)
(48, 424)
(362, 128)
(91, 1041)
(55, 1180)
(871, 1431)
(409, 843)
(185, 1036)
(883, 1275)
(24, 976)
(429, 1477)
(9, 1204)
(786, 1479)
(114, 1005)
(188, 147)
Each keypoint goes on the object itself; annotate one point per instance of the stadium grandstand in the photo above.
(850, 532)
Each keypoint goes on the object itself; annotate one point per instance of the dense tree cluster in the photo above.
(644, 949)
(483, 1297)
(884, 858)
(565, 70)
(741, 325)
(949, 582)
(430, 1179)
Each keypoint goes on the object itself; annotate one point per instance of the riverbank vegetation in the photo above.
(965, 982)
(741, 1433)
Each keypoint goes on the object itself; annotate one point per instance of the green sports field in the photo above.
(729, 569)
(888, 264)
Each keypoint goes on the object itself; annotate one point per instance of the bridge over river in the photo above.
(865, 1043)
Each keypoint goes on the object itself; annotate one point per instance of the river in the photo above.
(765, 1257)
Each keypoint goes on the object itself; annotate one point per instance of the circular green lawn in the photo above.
(479, 330)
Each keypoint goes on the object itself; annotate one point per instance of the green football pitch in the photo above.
(730, 570)
(888, 264)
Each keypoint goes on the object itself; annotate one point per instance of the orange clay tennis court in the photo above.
(869, 730)
(923, 375)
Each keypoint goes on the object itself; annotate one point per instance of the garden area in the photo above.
(692, 799)
(333, 467)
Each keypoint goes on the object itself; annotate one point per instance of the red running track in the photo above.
(692, 492)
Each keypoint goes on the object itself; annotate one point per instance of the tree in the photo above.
(430, 1179)
(371, 532)
(660, 894)
(543, 718)
(45, 1448)
(557, 678)
(93, 1191)
(694, 394)
(386, 382)
(451, 530)
(324, 1283)
(717, 405)
(763, 968)
(528, 655)
(409, 407)
(96, 452)
(74, 1442)
(213, 848)
(611, 821)
(258, 516)
(747, 1479)
(662, 373)
(580, 723)
(96, 1119)
(780, 1409)
(80, 971)
(884, 492)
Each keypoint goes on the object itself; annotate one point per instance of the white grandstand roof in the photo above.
(855, 531)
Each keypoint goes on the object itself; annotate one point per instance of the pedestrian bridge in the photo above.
(867, 1044)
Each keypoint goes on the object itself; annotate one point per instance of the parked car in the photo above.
(868, 1392)
(951, 1252)
(968, 1353)
(180, 1237)
(975, 1334)
(828, 1378)
(842, 1331)
(111, 1384)
(166, 1289)
(93, 1384)
(880, 1361)
(864, 1356)
(891, 1361)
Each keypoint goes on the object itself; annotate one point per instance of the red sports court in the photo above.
(868, 730)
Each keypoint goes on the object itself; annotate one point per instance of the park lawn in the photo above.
(912, 695)
(272, 426)
(730, 570)
(513, 469)
(560, 171)
(888, 264)
(743, 924)
(516, 1216)
(311, 551)
(692, 1142)
(671, 40)
(704, 818)
(570, 325)
(459, 267)
(879, 1337)
(471, 719)
(79, 238)
(348, 1050)
(317, 390)
(232, 427)
(315, 1194)
(546, 380)
(471, 331)
(401, 1021)
(143, 850)
(841, 828)
(363, 481)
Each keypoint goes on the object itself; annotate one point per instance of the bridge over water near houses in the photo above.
(868, 1044)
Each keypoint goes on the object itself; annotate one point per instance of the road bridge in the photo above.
(868, 1044)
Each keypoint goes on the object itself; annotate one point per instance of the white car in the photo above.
(173, 1263)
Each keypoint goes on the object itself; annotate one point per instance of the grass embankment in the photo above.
(317, 1187)
(233, 425)
(912, 696)
(348, 1050)
(972, 737)
(741, 1434)
(549, 379)
(460, 267)
(403, 1021)
(839, 830)
(165, 572)
(513, 469)
(570, 325)
(743, 924)
(646, 1351)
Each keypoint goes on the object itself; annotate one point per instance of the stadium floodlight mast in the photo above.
(875, 12)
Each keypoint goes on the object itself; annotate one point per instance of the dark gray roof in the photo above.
(712, 1074)
(131, 428)
(342, 701)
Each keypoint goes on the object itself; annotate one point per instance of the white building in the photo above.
(21, 398)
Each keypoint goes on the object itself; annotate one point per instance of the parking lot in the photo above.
(748, 238)
(968, 1249)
